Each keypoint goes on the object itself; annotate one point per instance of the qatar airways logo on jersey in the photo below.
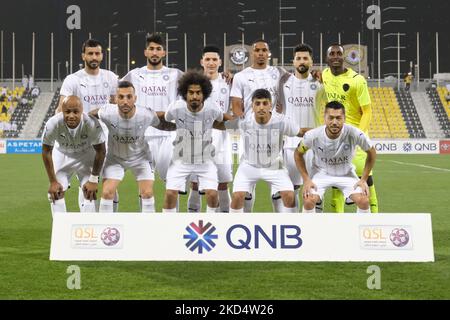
(154, 90)
(71, 145)
(98, 99)
(335, 161)
(336, 97)
(126, 139)
(301, 101)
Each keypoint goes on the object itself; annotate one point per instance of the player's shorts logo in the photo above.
(110, 236)
(200, 237)
(239, 55)
(399, 237)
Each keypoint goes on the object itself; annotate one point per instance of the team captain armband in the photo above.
(301, 147)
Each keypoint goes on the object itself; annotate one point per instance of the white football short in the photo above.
(345, 183)
(179, 173)
(115, 169)
(66, 165)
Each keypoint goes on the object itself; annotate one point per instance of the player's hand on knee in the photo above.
(90, 190)
(308, 187)
(364, 187)
(55, 191)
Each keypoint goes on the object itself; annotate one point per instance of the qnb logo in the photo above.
(200, 237)
(407, 147)
(110, 236)
(399, 237)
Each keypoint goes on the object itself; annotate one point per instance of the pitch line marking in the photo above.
(417, 165)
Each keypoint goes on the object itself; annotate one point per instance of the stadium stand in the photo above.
(440, 107)
(409, 112)
(15, 106)
(50, 111)
(387, 120)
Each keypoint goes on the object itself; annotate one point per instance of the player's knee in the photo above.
(171, 194)
(309, 203)
(362, 201)
(288, 198)
(146, 194)
(211, 193)
(108, 193)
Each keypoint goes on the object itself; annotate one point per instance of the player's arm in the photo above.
(237, 105)
(228, 76)
(365, 118)
(59, 108)
(220, 125)
(368, 166)
(55, 189)
(163, 123)
(302, 131)
(300, 163)
(90, 188)
(94, 113)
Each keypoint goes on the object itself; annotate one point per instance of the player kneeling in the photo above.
(80, 150)
(333, 145)
(263, 140)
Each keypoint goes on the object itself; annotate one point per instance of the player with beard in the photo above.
(334, 145)
(193, 152)
(94, 86)
(301, 99)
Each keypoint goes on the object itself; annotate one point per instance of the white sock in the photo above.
(313, 210)
(297, 204)
(116, 202)
(58, 206)
(277, 203)
(148, 205)
(287, 210)
(358, 210)
(224, 200)
(169, 210)
(106, 205)
(241, 210)
(248, 203)
(80, 199)
(88, 206)
(194, 201)
(209, 209)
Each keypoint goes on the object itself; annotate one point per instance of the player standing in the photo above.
(260, 75)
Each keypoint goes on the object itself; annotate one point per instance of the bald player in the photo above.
(349, 88)
(80, 150)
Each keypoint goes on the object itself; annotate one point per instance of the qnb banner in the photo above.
(410, 146)
(242, 237)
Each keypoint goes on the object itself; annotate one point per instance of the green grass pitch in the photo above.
(405, 183)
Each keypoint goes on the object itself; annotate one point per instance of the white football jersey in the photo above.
(193, 141)
(126, 137)
(263, 142)
(248, 80)
(155, 89)
(73, 141)
(334, 156)
(220, 96)
(299, 98)
(94, 91)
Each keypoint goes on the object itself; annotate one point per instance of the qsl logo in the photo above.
(399, 237)
(200, 237)
(110, 236)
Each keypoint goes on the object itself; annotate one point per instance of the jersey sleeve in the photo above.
(362, 91)
(362, 139)
(170, 113)
(49, 135)
(102, 113)
(97, 134)
(114, 83)
(306, 143)
(68, 87)
(236, 88)
(218, 114)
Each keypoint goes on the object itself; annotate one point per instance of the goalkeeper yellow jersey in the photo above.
(350, 89)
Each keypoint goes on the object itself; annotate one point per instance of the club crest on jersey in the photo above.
(166, 77)
(313, 86)
(223, 90)
(346, 146)
(84, 136)
(346, 86)
(105, 84)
